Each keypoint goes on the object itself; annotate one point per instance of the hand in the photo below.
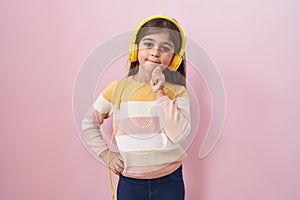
(157, 82)
(100, 116)
(115, 161)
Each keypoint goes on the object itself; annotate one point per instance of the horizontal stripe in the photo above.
(183, 103)
(132, 90)
(145, 142)
(142, 109)
(102, 105)
(108, 92)
(177, 132)
(153, 158)
(151, 172)
(138, 125)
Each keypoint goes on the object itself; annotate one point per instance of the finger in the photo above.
(117, 163)
(120, 158)
(115, 168)
(159, 83)
(120, 162)
(156, 72)
(120, 166)
(153, 82)
(116, 172)
(120, 169)
(157, 75)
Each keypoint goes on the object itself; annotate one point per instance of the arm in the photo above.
(93, 137)
(91, 131)
(175, 117)
(175, 114)
(101, 109)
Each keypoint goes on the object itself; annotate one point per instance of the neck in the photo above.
(142, 77)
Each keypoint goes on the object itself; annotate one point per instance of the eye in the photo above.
(165, 49)
(148, 44)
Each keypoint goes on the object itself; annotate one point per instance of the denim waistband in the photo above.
(176, 173)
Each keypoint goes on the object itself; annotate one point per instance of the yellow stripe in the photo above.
(135, 91)
(107, 93)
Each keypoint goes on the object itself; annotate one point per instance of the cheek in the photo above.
(141, 55)
(167, 59)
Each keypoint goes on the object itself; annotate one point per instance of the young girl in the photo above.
(151, 115)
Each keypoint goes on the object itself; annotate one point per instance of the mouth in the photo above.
(153, 62)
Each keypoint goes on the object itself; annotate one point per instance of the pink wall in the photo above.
(255, 45)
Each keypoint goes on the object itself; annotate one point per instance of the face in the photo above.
(155, 50)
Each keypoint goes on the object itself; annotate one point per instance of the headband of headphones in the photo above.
(177, 58)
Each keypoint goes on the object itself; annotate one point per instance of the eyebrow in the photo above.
(152, 40)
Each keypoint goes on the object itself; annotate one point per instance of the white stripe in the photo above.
(144, 142)
(102, 105)
(183, 103)
(146, 109)
(135, 109)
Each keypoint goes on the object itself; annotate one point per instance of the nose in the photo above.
(155, 52)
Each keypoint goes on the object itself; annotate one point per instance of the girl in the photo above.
(151, 115)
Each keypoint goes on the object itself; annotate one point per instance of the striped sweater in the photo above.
(149, 130)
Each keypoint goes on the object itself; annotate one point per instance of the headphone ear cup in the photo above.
(133, 48)
(175, 63)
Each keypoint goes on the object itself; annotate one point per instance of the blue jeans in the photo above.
(169, 187)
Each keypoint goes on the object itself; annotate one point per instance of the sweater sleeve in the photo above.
(92, 134)
(91, 125)
(175, 116)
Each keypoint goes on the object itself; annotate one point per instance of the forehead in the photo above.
(162, 36)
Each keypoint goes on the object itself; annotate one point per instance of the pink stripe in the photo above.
(172, 111)
(139, 125)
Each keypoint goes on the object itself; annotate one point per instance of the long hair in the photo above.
(155, 26)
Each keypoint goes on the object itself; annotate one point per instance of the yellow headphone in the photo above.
(177, 58)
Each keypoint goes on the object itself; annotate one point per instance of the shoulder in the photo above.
(109, 90)
(115, 86)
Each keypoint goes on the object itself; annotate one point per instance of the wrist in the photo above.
(159, 93)
(103, 156)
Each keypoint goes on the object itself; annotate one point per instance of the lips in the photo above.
(153, 61)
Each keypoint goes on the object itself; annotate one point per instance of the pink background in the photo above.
(255, 45)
